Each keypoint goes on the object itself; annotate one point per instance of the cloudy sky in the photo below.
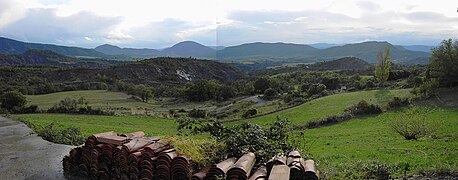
(161, 23)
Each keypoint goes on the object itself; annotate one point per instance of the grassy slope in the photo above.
(371, 138)
(367, 138)
(96, 98)
(329, 105)
(90, 124)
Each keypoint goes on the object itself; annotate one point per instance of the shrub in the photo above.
(240, 139)
(364, 108)
(197, 113)
(69, 136)
(270, 94)
(30, 109)
(249, 113)
(316, 89)
(398, 102)
(333, 119)
(375, 170)
(66, 105)
(428, 88)
(412, 124)
(12, 101)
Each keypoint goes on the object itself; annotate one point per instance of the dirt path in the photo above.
(24, 155)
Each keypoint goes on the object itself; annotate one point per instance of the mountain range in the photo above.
(257, 51)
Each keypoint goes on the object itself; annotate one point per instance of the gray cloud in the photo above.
(43, 25)
(320, 26)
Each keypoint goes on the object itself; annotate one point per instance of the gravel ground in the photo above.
(24, 155)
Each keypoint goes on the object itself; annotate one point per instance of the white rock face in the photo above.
(184, 75)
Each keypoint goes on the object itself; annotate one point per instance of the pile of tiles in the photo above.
(127, 156)
(292, 167)
(132, 156)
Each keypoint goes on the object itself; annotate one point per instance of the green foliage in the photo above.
(316, 88)
(204, 90)
(243, 138)
(427, 89)
(12, 101)
(398, 102)
(332, 119)
(80, 106)
(66, 105)
(382, 68)
(412, 124)
(270, 94)
(261, 85)
(249, 113)
(444, 63)
(142, 91)
(197, 113)
(364, 108)
(69, 135)
(203, 152)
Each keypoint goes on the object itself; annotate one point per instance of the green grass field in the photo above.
(372, 138)
(91, 124)
(334, 147)
(96, 98)
(329, 105)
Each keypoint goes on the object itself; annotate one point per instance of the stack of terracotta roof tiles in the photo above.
(128, 156)
(293, 167)
(133, 156)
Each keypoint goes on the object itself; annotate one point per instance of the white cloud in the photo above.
(146, 23)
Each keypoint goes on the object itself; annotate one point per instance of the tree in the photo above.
(382, 68)
(444, 63)
(261, 84)
(12, 101)
(270, 94)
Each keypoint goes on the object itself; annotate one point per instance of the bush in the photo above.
(412, 124)
(333, 119)
(30, 109)
(316, 89)
(428, 88)
(240, 139)
(69, 136)
(398, 102)
(364, 108)
(249, 113)
(270, 94)
(73, 106)
(66, 105)
(12, 101)
(197, 113)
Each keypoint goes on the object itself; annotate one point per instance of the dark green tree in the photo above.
(261, 84)
(12, 101)
(444, 63)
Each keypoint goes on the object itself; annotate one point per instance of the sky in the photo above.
(159, 24)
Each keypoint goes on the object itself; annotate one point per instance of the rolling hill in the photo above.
(264, 50)
(368, 50)
(341, 64)
(260, 52)
(302, 53)
(130, 52)
(9, 46)
(189, 48)
(48, 57)
(157, 71)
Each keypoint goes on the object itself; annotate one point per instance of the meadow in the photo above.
(337, 148)
(329, 105)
